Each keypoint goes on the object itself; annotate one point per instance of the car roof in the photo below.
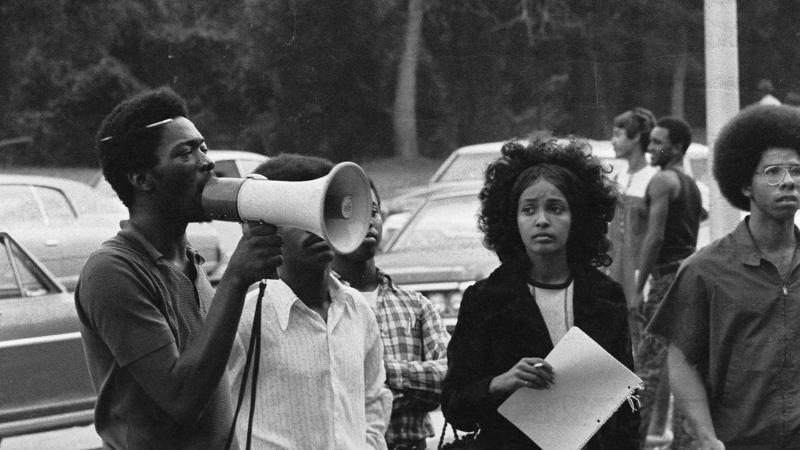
(488, 147)
(62, 183)
(6, 178)
(235, 154)
(600, 148)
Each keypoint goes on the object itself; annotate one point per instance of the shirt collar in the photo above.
(385, 280)
(283, 298)
(748, 251)
(129, 232)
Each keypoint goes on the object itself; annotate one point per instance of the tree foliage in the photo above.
(319, 77)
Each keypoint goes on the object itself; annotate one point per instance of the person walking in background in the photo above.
(156, 344)
(321, 384)
(631, 137)
(414, 339)
(675, 211)
(545, 210)
(732, 315)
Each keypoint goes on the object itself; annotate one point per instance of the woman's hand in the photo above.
(534, 373)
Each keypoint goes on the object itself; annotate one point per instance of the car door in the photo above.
(42, 364)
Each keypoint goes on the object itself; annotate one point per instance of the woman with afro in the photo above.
(545, 209)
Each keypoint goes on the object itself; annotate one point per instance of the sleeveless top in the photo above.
(683, 221)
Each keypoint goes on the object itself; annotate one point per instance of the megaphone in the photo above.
(336, 207)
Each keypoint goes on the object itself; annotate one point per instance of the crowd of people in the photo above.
(329, 353)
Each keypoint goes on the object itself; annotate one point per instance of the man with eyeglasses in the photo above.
(732, 315)
(675, 210)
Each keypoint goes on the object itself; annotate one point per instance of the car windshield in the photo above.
(448, 221)
(467, 166)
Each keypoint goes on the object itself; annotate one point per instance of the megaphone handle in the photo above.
(272, 274)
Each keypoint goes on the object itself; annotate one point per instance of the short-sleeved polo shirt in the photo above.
(734, 316)
(132, 301)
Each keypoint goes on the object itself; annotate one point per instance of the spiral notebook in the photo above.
(589, 386)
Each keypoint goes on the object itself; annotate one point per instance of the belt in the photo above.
(409, 445)
(666, 268)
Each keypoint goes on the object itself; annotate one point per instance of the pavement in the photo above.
(84, 438)
(75, 438)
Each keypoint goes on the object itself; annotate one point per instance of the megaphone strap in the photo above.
(253, 350)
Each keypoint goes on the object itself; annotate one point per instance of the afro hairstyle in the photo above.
(744, 139)
(570, 166)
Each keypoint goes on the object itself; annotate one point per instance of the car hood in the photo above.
(416, 266)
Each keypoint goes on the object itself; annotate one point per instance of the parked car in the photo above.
(468, 163)
(439, 250)
(217, 239)
(61, 221)
(433, 244)
(465, 166)
(45, 379)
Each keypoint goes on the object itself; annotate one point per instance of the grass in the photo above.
(390, 175)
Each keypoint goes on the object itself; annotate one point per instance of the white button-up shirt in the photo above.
(320, 384)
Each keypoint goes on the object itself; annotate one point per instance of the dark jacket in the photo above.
(499, 323)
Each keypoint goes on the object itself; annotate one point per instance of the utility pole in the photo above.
(722, 97)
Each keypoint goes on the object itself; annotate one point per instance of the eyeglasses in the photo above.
(773, 175)
(152, 125)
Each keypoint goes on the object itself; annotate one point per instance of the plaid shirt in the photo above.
(415, 355)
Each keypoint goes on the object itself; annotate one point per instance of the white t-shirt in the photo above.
(371, 297)
(556, 308)
(635, 184)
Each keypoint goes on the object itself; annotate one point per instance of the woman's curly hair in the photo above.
(744, 139)
(570, 166)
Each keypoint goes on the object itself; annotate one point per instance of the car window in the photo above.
(30, 282)
(450, 221)
(467, 166)
(19, 206)
(56, 206)
(9, 288)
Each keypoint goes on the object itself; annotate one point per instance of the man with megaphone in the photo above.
(321, 384)
(156, 335)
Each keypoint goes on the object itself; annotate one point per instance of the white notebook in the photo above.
(589, 386)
